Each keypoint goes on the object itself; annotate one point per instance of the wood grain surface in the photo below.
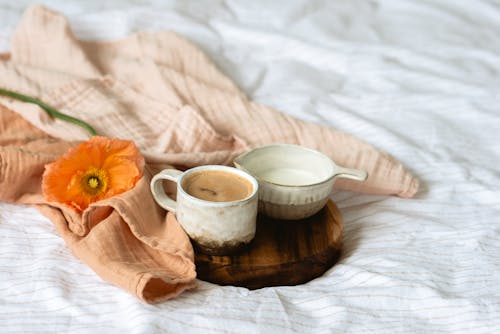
(282, 253)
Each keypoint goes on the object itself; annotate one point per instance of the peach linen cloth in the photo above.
(162, 92)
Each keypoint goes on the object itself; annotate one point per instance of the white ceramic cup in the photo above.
(217, 228)
(294, 182)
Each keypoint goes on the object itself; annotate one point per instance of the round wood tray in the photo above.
(282, 253)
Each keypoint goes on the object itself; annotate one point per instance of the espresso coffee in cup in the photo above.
(217, 186)
(216, 206)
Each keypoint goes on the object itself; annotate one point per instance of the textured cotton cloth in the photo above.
(126, 239)
(163, 93)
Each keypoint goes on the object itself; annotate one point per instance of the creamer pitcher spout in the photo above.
(239, 161)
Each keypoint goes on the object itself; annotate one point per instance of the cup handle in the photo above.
(158, 192)
(349, 173)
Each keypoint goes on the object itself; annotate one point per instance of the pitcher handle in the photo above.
(349, 173)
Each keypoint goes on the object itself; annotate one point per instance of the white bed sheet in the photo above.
(418, 79)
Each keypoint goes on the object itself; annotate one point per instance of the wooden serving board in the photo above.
(282, 253)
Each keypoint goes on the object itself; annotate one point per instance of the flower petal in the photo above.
(123, 177)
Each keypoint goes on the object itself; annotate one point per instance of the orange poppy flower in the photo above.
(96, 169)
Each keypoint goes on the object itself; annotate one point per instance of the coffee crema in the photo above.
(217, 186)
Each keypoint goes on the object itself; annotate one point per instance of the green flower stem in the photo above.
(51, 111)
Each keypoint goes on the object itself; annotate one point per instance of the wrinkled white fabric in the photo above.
(418, 79)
